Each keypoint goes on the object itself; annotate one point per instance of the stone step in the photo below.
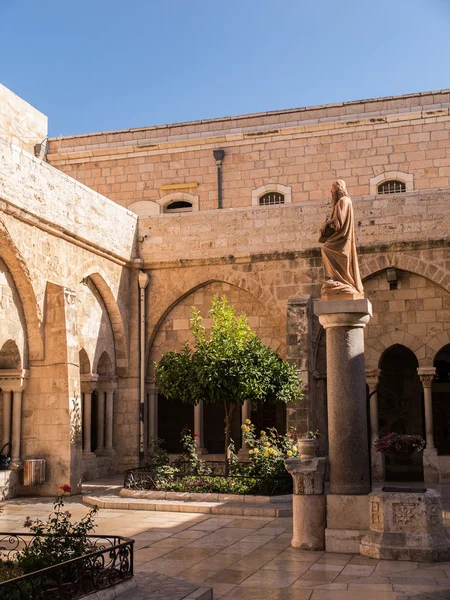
(216, 508)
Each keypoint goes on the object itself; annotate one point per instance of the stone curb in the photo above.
(115, 591)
(190, 507)
(206, 497)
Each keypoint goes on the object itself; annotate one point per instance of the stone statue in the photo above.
(340, 262)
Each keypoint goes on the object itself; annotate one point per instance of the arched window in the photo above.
(178, 206)
(392, 186)
(270, 198)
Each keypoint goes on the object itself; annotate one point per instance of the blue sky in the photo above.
(96, 65)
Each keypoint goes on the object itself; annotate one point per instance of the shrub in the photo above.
(393, 443)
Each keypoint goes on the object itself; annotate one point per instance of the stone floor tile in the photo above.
(196, 575)
(358, 570)
(353, 595)
(398, 580)
(298, 568)
(395, 565)
(327, 576)
(170, 543)
(187, 553)
(361, 587)
(318, 585)
(326, 566)
(228, 576)
(415, 589)
(189, 534)
(249, 522)
(270, 579)
(147, 554)
(333, 561)
(363, 560)
(221, 589)
(247, 593)
(217, 561)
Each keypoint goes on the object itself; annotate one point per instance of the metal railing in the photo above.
(109, 564)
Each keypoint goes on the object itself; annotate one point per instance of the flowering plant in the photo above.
(314, 435)
(393, 443)
(57, 540)
(269, 450)
(189, 454)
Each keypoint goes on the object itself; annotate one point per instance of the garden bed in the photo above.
(109, 564)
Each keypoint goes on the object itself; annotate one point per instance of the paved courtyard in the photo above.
(247, 558)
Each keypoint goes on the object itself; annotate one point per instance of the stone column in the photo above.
(198, 428)
(377, 459)
(430, 458)
(108, 386)
(100, 422)
(246, 409)
(152, 400)
(88, 385)
(308, 502)
(344, 321)
(13, 382)
(6, 439)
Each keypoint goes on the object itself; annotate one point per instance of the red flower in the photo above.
(186, 426)
(66, 488)
(196, 435)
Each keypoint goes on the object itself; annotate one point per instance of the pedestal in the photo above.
(344, 321)
(308, 502)
(406, 526)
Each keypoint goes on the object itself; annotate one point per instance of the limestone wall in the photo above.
(20, 122)
(304, 149)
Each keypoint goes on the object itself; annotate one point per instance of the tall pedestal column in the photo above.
(344, 321)
(6, 438)
(198, 429)
(430, 457)
(377, 459)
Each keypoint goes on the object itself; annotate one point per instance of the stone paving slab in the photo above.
(116, 502)
(154, 586)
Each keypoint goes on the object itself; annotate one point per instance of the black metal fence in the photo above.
(149, 478)
(109, 564)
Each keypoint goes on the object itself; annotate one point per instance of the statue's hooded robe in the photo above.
(339, 250)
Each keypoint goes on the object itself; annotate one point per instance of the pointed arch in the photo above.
(21, 277)
(85, 364)
(104, 365)
(372, 265)
(115, 317)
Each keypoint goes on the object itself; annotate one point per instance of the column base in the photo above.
(243, 454)
(16, 464)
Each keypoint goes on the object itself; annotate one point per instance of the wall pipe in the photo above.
(143, 282)
(218, 157)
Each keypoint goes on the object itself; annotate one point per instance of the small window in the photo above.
(271, 198)
(178, 206)
(393, 186)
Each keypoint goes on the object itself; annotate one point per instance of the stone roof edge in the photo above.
(250, 115)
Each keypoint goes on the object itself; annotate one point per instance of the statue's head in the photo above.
(338, 190)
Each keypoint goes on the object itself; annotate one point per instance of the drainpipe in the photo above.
(143, 282)
(218, 157)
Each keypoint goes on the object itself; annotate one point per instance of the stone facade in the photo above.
(57, 232)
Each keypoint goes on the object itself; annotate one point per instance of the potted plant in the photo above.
(399, 444)
(307, 446)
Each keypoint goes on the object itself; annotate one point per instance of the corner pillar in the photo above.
(198, 428)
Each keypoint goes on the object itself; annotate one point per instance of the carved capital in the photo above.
(13, 380)
(426, 375)
(89, 383)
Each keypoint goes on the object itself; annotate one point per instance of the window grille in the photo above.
(271, 198)
(392, 187)
(178, 206)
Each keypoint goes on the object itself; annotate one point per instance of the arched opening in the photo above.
(10, 356)
(105, 366)
(441, 401)
(392, 186)
(173, 415)
(85, 364)
(400, 407)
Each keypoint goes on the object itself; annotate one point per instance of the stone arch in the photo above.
(272, 187)
(21, 277)
(104, 365)
(10, 356)
(179, 196)
(372, 265)
(402, 338)
(116, 320)
(85, 365)
(438, 342)
(407, 179)
(183, 289)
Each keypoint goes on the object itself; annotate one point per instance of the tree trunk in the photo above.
(229, 411)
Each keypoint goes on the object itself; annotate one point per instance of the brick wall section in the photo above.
(304, 149)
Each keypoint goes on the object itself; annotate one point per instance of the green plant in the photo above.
(268, 450)
(393, 443)
(58, 539)
(189, 455)
(155, 454)
(227, 367)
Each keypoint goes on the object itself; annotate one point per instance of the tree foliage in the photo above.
(228, 366)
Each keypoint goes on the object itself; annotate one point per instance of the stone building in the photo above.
(230, 206)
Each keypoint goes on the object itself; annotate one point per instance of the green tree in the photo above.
(227, 367)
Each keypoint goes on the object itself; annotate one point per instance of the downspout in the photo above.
(218, 157)
(143, 282)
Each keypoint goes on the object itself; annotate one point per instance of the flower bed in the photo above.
(398, 444)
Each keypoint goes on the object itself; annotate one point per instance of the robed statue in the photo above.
(340, 262)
